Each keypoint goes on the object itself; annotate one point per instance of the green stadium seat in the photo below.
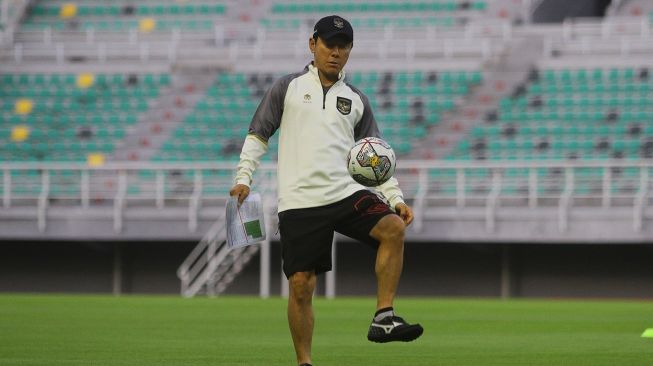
(572, 116)
(56, 116)
(229, 102)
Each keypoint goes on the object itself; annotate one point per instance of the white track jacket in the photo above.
(316, 133)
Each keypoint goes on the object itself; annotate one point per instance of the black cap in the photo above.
(331, 26)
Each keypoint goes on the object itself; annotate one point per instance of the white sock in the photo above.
(383, 313)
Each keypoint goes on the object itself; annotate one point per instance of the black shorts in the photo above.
(307, 233)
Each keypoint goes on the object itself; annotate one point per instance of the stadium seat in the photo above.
(103, 17)
(216, 127)
(77, 114)
(585, 112)
(377, 14)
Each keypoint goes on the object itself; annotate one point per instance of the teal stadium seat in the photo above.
(377, 14)
(103, 17)
(66, 122)
(217, 126)
(580, 113)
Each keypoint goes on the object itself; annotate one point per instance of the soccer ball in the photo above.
(371, 161)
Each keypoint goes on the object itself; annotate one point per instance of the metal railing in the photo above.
(197, 269)
(222, 35)
(170, 52)
(429, 186)
(620, 36)
(10, 13)
(477, 40)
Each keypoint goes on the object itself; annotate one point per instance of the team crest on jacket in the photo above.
(343, 105)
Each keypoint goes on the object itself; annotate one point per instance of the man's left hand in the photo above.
(405, 212)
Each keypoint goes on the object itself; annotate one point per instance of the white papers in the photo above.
(245, 224)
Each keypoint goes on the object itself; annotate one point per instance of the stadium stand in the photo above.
(461, 82)
(121, 16)
(406, 104)
(634, 8)
(123, 120)
(375, 14)
(66, 117)
(576, 114)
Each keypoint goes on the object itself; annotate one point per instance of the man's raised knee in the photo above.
(390, 228)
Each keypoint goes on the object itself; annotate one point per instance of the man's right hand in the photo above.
(241, 191)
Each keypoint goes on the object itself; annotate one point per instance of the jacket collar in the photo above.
(313, 70)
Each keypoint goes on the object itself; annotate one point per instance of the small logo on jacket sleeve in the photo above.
(343, 105)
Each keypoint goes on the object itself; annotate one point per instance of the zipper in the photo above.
(324, 97)
(322, 88)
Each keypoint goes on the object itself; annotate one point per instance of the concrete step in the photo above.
(169, 111)
(501, 78)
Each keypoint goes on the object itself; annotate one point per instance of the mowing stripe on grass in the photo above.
(229, 331)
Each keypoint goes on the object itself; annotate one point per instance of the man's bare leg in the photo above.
(389, 231)
(300, 313)
(386, 326)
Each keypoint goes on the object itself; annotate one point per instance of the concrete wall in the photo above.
(147, 267)
(435, 269)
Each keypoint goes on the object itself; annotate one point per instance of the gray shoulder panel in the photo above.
(267, 118)
(367, 126)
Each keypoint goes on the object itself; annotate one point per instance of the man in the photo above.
(320, 117)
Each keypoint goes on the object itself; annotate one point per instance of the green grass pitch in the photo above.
(158, 331)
